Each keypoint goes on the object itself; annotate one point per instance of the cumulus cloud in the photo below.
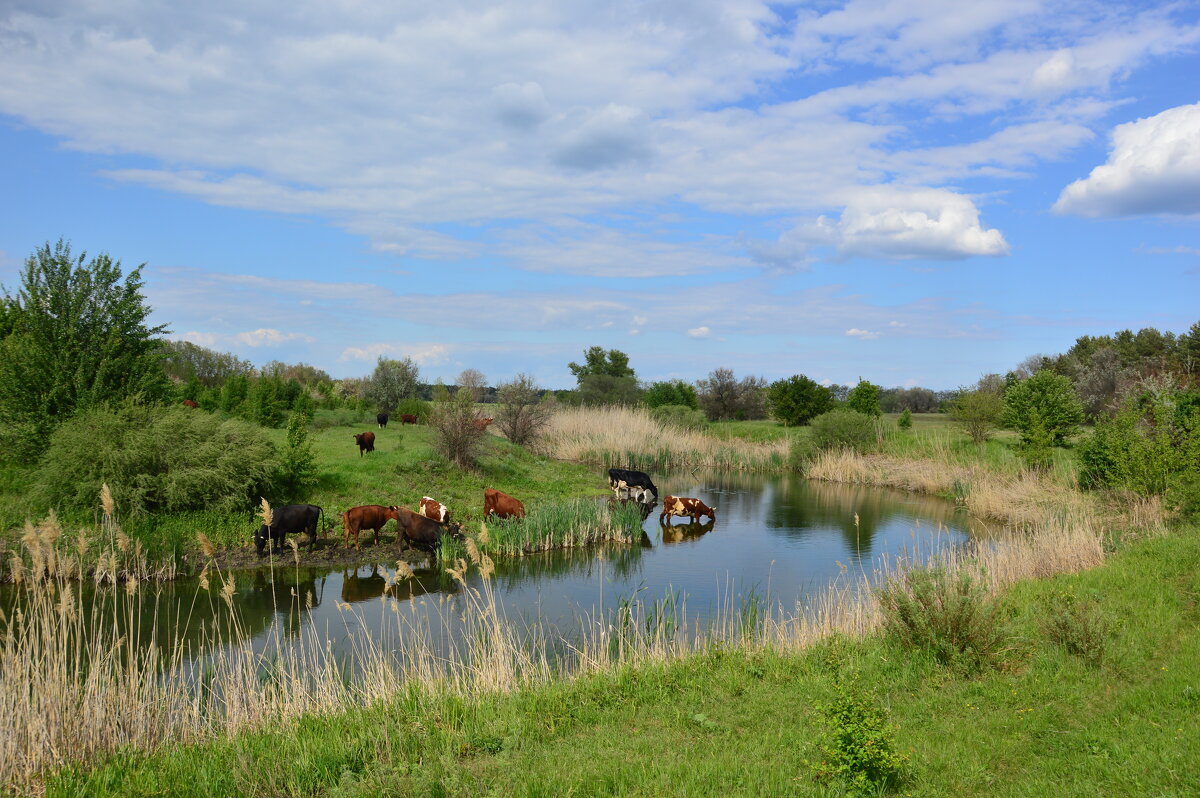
(699, 332)
(1153, 167)
(862, 335)
(268, 337)
(421, 354)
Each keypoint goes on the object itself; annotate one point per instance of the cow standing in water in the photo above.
(382, 420)
(365, 441)
(683, 506)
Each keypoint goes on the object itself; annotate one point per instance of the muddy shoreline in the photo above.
(329, 551)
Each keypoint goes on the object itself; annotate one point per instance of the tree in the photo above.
(297, 470)
(675, 392)
(864, 398)
(605, 377)
(613, 363)
(76, 335)
(722, 396)
(978, 412)
(522, 416)
(798, 399)
(392, 381)
(456, 435)
(185, 361)
(1044, 405)
(472, 381)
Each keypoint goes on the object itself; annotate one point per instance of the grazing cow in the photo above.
(482, 423)
(365, 441)
(368, 516)
(432, 508)
(381, 419)
(292, 518)
(683, 506)
(501, 505)
(408, 418)
(629, 484)
(190, 403)
(424, 533)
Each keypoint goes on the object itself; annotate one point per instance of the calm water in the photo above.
(780, 538)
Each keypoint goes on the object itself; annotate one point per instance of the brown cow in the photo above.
(683, 506)
(424, 533)
(190, 403)
(368, 516)
(365, 441)
(482, 423)
(501, 505)
(408, 418)
(432, 508)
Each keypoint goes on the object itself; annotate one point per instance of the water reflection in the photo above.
(680, 533)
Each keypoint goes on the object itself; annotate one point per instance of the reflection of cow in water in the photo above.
(362, 588)
(689, 531)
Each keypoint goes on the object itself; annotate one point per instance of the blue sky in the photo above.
(907, 192)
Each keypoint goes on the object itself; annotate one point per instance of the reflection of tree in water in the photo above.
(685, 532)
(266, 592)
(619, 560)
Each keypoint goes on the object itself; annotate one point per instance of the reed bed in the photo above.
(562, 525)
(632, 438)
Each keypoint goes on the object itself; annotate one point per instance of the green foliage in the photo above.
(844, 429)
(722, 396)
(905, 421)
(603, 389)
(798, 399)
(681, 416)
(675, 392)
(1046, 399)
(183, 360)
(521, 415)
(74, 336)
(946, 614)
(1037, 443)
(802, 452)
(864, 398)
(597, 362)
(297, 470)
(978, 412)
(391, 382)
(154, 459)
(859, 748)
(1078, 625)
(413, 406)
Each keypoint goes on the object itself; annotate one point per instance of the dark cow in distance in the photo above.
(424, 533)
(368, 516)
(408, 418)
(432, 508)
(683, 506)
(501, 505)
(292, 518)
(365, 441)
(382, 419)
(629, 484)
(190, 403)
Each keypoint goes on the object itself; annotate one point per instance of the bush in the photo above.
(1078, 625)
(155, 459)
(680, 416)
(802, 452)
(297, 470)
(798, 399)
(675, 392)
(948, 615)
(456, 435)
(844, 429)
(905, 421)
(859, 749)
(1045, 399)
(864, 398)
(978, 412)
(521, 415)
(413, 407)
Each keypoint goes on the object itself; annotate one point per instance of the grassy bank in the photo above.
(1040, 717)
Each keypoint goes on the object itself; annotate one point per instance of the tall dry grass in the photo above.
(624, 436)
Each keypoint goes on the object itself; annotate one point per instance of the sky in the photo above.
(913, 193)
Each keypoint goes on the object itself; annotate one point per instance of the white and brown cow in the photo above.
(685, 507)
(432, 508)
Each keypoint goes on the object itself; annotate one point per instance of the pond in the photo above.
(779, 540)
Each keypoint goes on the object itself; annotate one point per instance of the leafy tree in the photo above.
(864, 398)
(186, 361)
(1043, 404)
(297, 471)
(978, 412)
(234, 393)
(522, 416)
(674, 392)
(605, 377)
(613, 363)
(75, 335)
(392, 381)
(798, 399)
(723, 396)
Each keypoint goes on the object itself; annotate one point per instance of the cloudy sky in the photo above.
(911, 192)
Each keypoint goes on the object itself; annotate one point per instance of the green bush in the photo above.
(905, 421)
(154, 459)
(948, 615)
(680, 416)
(1078, 625)
(844, 429)
(297, 469)
(798, 399)
(864, 397)
(1047, 399)
(859, 748)
(675, 392)
(414, 407)
(802, 452)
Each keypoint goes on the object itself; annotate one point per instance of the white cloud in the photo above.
(862, 335)
(1176, 250)
(269, 337)
(699, 332)
(1153, 167)
(421, 354)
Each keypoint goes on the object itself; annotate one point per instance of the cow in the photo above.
(381, 419)
(501, 505)
(683, 506)
(424, 533)
(408, 418)
(368, 516)
(190, 403)
(432, 508)
(365, 441)
(482, 423)
(629, 484)
(292, 518)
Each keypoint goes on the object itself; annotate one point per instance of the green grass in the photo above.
(1038, 721)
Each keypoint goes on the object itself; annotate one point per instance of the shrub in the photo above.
(798, 399)
(456, 435)
(413, 407)
(948, 615)
(978, 412)
(905, 421)
(859, 748)
(802, 452)
(864, 398)
(521, 416)
(1078, 625)
(680, 416)
(155, 459)
(297, 470)
(675, 392)
(844, 429)
(1047, 399)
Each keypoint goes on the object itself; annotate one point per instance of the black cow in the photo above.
(629, 484)
(295, 518)
(424, 533)
(381, 420)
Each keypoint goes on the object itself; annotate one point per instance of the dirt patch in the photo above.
(328, 551)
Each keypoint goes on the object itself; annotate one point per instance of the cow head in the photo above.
(260, 538)
(455, 531)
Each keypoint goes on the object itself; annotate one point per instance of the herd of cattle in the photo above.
(424, 527)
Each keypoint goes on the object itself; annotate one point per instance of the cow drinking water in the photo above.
(292, 518)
